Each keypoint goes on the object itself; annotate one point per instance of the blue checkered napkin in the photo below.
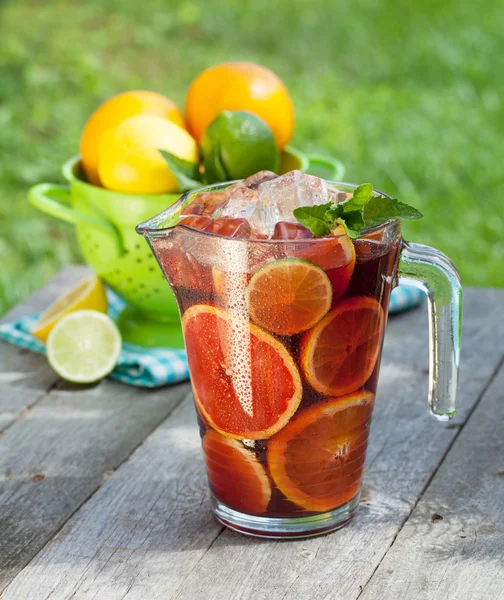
(142, 367)
(154, 367)
(405, 297)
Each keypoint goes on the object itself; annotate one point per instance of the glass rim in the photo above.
(145, 228)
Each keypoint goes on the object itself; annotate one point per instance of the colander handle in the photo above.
(325, 166)
(48, 198)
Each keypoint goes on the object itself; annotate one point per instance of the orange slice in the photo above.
(289, 295)
(236, 477)
(317, 460)
(336, 255)
(245, 383)
(340, 353)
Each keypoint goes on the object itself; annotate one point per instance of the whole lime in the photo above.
(237, 144)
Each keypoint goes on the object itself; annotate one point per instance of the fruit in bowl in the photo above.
(139, 153)
(112, 113)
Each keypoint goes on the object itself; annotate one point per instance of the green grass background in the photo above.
(408, 94)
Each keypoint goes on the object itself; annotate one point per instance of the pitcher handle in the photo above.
(48, 198)
(433, 272)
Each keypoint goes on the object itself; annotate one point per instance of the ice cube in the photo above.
(255, 207)
(292, 190)
(255, 180)
(338, 196)
(241, 202)
(277, 198)
(265, 199)
(195, 221)
(229, 227)
(206, 204)
(286, 230)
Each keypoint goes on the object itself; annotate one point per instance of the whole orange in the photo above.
(113, 112)
(240, 86)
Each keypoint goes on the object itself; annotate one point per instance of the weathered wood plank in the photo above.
(57, 455)
(151, 517)
(148, 533)
(64, 444)
(452, 546)
(25, 376)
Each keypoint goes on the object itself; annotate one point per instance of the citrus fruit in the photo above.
(237, 144)
(289, 295)
(236, 477)
(339, 354)
(84, 346)
(245, 383)
(335, 254)
(317, 459)
(240, 86)
(113, 112)
(128, 157)
(87, 294)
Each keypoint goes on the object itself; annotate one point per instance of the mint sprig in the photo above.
(359, 212)
(186, 173)
(317, 218)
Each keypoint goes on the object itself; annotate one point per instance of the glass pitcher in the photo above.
(283, 340)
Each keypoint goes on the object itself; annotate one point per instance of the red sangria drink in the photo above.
(283, 321)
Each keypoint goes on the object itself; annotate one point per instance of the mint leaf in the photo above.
(362, 194)
(334, 212)
(361, 211)
(186, 173)
(380, 209)
(314, 218)
(354, 223)
(407, 212)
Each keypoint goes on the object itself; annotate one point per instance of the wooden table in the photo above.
(103, 493)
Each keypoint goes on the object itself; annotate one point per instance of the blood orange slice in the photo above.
(336, 255)
(289, 295)
(245, 382)
(340, 353)
(236, 477)
(317, 460)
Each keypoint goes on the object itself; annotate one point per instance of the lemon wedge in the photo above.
(88, 294)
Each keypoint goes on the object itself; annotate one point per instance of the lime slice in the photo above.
(236, 145)
(84, 346)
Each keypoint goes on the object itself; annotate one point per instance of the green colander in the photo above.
(105, 225)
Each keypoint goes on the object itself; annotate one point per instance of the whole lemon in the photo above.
(128, 157)
(113, 112)
(240, 86)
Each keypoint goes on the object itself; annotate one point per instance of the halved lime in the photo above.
(84, 346)
(238, 144)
